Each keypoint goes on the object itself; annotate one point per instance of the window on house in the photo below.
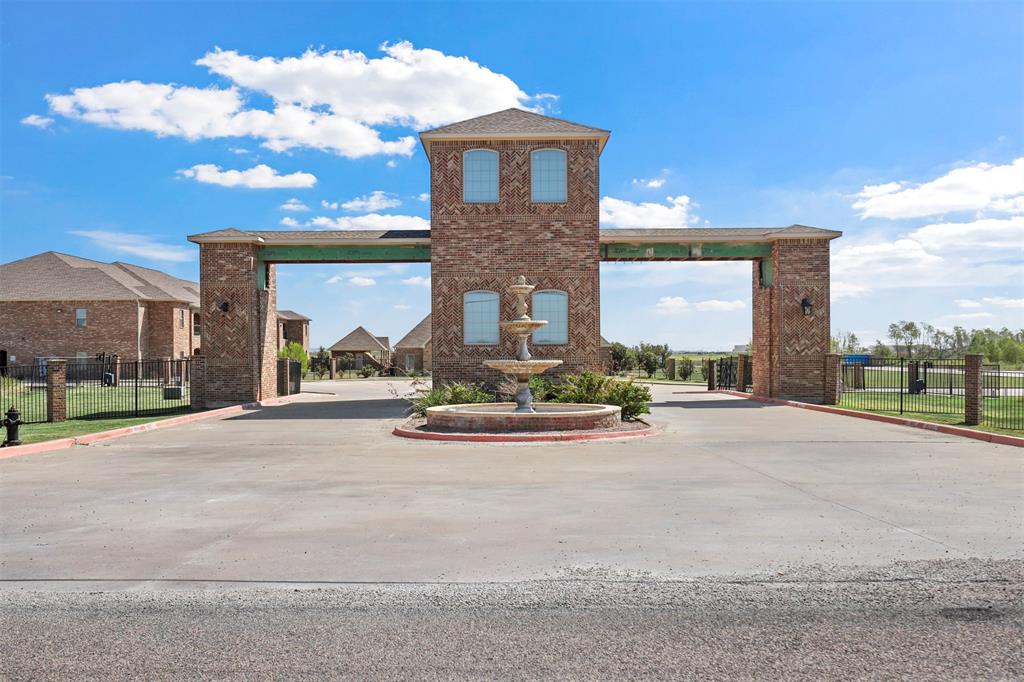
(480, 318)
(547, 176)
(480, 176)
(410, 362)
(195, 324)
(552, 306)
(81, 317)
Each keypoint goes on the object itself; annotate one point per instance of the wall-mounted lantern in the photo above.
(808, 308)
(224, 307)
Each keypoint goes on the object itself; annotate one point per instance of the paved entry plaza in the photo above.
(320, 491)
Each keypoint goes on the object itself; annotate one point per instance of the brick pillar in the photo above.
(56, 390)
(332, 367)
(197, 382)
(670, 369)
(858, 376)
(282, 376)
(165, 365)
(239, 313)
(115, 369)
(789, 346)
(973, 384)
(741, 371)
(711, 375)
(833, 379)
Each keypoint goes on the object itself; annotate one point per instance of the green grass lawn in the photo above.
(35, 433)
(85, 401)
(999, 413)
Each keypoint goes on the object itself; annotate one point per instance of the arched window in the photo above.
(480, 176)
(552, 306)
(480, 318)
(547, 176)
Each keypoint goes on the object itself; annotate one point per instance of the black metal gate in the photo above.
(294, 377)
(725, 373)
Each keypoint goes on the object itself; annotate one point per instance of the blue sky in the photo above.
(900, 124)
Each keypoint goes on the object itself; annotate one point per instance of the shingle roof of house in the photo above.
(52, 276)
(514, 124)
(290, 315)
(418, 336)
(358, 341)
(384, 341)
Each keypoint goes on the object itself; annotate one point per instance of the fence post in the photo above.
(332, 368)
(115, 369)
(282, 376)
(56, 390)
(833, 379)
(670, 369)
(197, 382)
(165, 363)
(711, 375)
(741, 372)
(973, 384)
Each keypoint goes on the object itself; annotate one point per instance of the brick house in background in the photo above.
(359, 347)
(291, 326)
(413, 352)
(56, 305)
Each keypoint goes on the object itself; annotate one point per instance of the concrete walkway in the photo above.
(318, 491)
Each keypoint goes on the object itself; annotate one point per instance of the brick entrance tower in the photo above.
(499, 209)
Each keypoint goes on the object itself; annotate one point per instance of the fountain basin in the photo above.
(522, 368)
(502, 417)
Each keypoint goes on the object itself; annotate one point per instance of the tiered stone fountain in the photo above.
(522, 415)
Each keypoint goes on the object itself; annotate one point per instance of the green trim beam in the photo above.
(346, 253)
(685, 251)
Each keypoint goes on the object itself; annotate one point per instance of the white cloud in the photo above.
(377, 200)
(257, 177)
(335, 279)
(238, 150)
(622, 213)
(425, 196)
(372, 221)
(980, 187)
(998, 234)
(966, 316)
(672, 305)
(37, 121)
(294, 205)
(288, 221)
(967, 303)
(137, 245)
(649, 183)
(362, 281)
(336, 100)
(1004, 302)
(400, 306)
(715, 305)
(391, 163)
(330, 205)
(417, 281)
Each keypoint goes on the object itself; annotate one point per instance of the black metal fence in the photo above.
(100, 389)
(142, 388)
(725, 373)
(1002, 404)
(899, 386)
(294, 377)
(24, 387)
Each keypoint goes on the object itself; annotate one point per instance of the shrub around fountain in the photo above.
(450, 394)
(596, 389)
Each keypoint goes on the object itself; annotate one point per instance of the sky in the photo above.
(127, 126)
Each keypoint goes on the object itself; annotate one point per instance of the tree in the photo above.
(896, 336)
(623, 357)
(881, 350)
(294, 351)
(647, 359)
(321, 366)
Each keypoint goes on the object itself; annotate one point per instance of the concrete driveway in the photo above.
(320, 491)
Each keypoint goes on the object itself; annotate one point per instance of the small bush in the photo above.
(596, 389)
(684, 368)
(632, 398)
(366, 372)
(451, 394)
(589, 387)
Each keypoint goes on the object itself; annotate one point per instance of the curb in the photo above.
(521, 437)
(963, 432)
(89, 438)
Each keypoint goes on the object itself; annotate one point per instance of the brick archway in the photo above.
(474, 245)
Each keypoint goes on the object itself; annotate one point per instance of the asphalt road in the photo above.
(304, 542)
(922, 620)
